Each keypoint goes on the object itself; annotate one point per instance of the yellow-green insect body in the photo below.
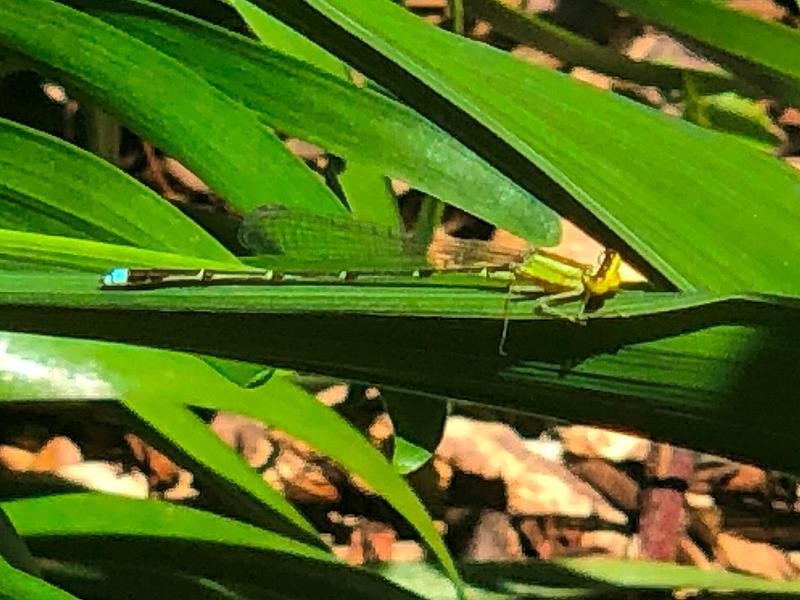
(561, 279)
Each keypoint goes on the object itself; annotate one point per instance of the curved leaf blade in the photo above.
(21, 250)
(157, 534)
(153, 385)
(274, 34)
(91, 514)
(299, 414)
(49, 186)
(223, 142)
(50, 370)
(18, 585)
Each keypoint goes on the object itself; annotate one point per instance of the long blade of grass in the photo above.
(274, 34)
(43, 370)
(22, 250)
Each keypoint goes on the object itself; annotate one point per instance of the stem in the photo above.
(457, 15)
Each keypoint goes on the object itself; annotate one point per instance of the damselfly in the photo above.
(314, 248)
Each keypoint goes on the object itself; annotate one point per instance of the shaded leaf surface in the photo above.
(621, 369)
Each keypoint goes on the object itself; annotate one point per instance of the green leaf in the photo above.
(733, 114)
(423, 579)
(155, 387)
(418, 424)
(153, 94)
(185, 431)
(652, 575)
(619, 370)
(18, 585)
(532, 29)
(734, 37)
(146, 533)
(20, 250)
(92, 514)
(274, 34)
(299, 414)
(356, 124)
(607, 577)
(369, 195)
(49, 186)
(672, 197)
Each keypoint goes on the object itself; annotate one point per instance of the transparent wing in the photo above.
(277, 231)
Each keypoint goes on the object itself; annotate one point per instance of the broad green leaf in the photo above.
(673, 198)
(618, 370)
(164, 101)
(18, 585)
(733, 37)
(22, 250)
(49, 186)
(356, 124)
(83, 527)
